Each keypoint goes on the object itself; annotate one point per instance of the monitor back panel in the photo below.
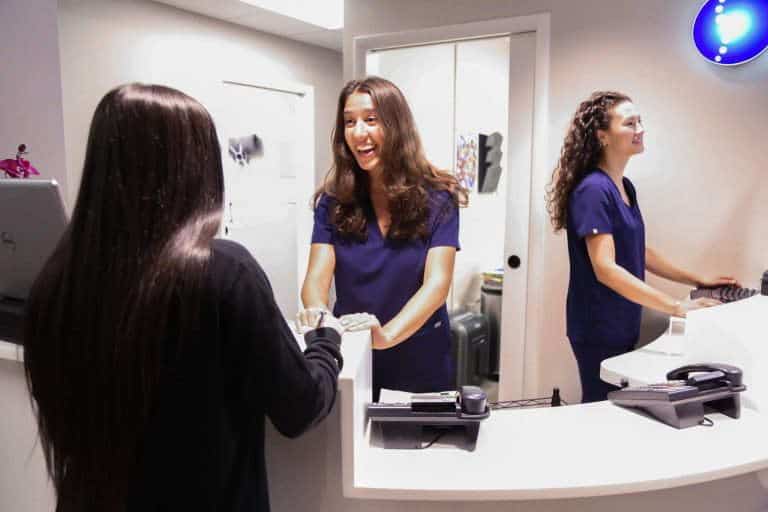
(32, 220)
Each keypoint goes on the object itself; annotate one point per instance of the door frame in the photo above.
(519, 360)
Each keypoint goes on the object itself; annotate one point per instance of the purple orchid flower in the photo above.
(18, 167)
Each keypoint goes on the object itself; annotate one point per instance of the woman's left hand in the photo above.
(712, 281)
(363, 321)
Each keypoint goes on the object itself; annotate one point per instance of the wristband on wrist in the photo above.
(326, 333)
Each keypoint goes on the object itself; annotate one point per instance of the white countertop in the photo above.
(566, 452)
(573, 451)
(646, 365)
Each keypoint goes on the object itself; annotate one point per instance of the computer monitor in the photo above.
(32, 220)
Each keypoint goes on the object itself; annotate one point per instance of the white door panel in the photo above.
(261, 197)
(512, 361)
(430, 95)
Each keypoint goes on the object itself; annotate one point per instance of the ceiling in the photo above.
(235, 11)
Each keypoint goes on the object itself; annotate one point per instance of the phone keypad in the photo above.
(724, 293)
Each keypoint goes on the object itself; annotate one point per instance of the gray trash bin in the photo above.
(490, 306)
(469, 343)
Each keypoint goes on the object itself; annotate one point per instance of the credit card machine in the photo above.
(463, 409)
(680, 401)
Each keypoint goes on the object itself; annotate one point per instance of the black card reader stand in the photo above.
(404, 425)
(410, 434)
(684, 412)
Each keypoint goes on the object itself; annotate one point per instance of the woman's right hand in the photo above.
(332, 322)
(310, 318)
(683, 307)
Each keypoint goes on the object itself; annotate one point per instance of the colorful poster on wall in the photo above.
(467, 159)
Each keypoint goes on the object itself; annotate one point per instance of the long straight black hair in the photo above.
(126, 280)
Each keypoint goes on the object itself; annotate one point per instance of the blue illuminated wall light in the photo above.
(731, 32)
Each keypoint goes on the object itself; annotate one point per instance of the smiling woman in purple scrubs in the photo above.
(597, 205)
(387, 229)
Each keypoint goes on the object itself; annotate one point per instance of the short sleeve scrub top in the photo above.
(379, 275)
(600, 322)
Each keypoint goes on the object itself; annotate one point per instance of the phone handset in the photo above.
(701, 374)
(473, 400)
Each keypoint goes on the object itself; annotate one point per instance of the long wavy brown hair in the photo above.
(408, 175)
(581, 151)
(122, 289)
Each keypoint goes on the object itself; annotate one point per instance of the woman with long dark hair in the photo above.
(386, 227)
(597, 205)
(154, 352)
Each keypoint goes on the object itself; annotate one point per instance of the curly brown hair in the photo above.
(408, 175)
(581, 151)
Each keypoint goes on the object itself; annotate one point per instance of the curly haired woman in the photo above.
(387, 228)
(591, 199)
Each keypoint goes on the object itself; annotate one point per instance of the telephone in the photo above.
(463, 409)
(724, 294)
(680, 401)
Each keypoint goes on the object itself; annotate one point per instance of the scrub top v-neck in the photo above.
(379, 275)
(597, 315)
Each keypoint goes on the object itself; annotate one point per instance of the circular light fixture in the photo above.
(731, 32)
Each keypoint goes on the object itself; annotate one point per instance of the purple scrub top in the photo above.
(597, 315)
(379, 276)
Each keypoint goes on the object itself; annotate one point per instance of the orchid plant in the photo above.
(18, 167)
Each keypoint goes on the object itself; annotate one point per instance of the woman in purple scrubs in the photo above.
(597, 205)
(387, 229)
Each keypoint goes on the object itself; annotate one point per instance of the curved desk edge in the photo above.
(661, 457)
(647, 364)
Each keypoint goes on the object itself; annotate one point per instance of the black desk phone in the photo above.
(680, 401)
(463, 409)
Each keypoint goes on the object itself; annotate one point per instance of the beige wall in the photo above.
(701, 182)
(30, 85)
(108, 42)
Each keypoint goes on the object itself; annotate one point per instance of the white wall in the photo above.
(701, 181)
(30, 85)
(105, 43)
(24, 484)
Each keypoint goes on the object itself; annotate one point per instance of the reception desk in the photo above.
(596, 457)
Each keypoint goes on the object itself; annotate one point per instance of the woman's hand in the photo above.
(310, 318)
(363, 321)
(712, 281)
(682, 308)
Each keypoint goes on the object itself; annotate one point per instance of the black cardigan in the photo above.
(204, 448)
